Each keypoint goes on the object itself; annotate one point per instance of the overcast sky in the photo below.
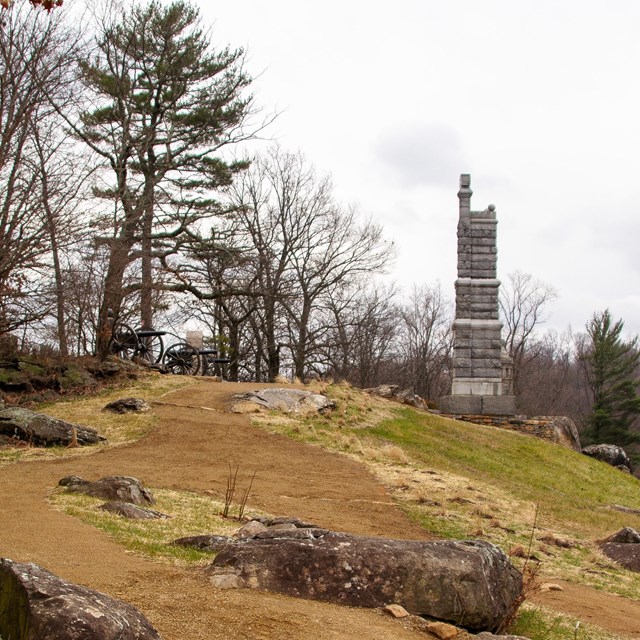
(539, 100)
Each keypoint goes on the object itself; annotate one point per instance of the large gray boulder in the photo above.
(281, 399)
(44, 431)
(112, 488)
(35, 604)
(610, 453)
(470, 583)
(624, 548)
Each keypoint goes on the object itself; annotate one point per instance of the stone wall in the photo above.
(557, 429)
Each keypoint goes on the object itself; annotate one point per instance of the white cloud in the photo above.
(420, 154)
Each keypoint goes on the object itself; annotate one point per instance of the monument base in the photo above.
(479, 405)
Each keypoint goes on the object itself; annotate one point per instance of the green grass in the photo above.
(542, 624)
(573, 489)
(191, 514)
(461, 480)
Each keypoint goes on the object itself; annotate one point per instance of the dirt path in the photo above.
(191, 450)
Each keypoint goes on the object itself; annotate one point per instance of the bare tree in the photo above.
(36, 53)
(426, 341)
(552, 381)
(361, 347)
(304, 246)
(522, 304)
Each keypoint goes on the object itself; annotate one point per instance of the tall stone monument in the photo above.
(478, 386)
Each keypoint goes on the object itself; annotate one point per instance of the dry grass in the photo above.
(87, 411)
(191, 514)
(466, 481)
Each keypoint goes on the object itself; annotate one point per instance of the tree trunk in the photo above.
(113, 295)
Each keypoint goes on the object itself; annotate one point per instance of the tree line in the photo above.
(129, 193)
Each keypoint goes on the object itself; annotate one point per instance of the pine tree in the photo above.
(164, 104)
(612, 373)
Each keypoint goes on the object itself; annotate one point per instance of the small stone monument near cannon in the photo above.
(479, 386)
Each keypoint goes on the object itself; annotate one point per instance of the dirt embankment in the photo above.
(191, 449)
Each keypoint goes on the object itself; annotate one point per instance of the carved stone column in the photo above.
(477, 348)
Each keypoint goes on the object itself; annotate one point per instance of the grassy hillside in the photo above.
(463, 480)
(456, 479)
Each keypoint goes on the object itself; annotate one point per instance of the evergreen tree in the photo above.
(163, 104)
(612, 374)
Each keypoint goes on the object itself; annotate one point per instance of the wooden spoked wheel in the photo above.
(124, 341)
(150, 348)
(182, 359)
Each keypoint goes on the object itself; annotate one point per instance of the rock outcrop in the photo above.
(624, 548)
(132, 511)
(566, 432)
(280, 399)
(112, 488)
(128, 405)
(44, 431)
(36, 604)
(404, 396)
(469, 583)
(203, 543)
(610, 453)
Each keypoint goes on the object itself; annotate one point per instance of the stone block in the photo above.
(483, 315)
(484, 249)
(491, 354)
(482, 232)
(499, 405)
(461, 404)
(487, 372)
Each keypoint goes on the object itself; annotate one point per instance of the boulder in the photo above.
(280, 520)
(287, 400)
(132, 511)
(203, 543)
(116, 488)
(468, 583)
(610, 453)
(405, 396)
(566, 432)
(36, 604)
(624, 548)
(384, 390)
(128, 405)
(624, 536)
(44, 431)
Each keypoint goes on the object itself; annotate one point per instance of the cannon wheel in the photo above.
(150, 348)
(124, 341)
(182, 359)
